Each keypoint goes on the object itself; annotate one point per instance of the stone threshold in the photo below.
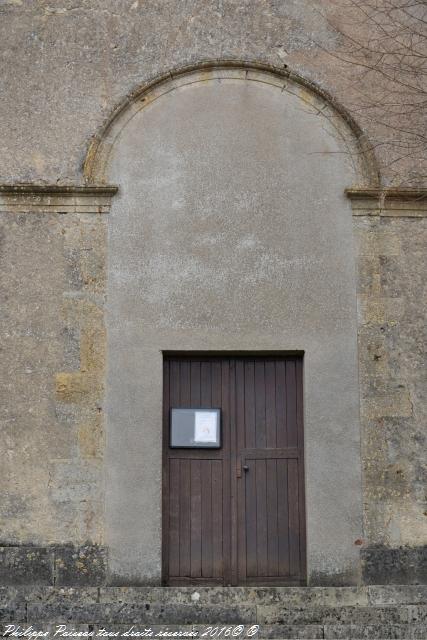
(362, 596)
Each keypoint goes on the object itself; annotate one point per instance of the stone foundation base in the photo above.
(403, 565)
(84, 565)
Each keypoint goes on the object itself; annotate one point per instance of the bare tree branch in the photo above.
(382, 52)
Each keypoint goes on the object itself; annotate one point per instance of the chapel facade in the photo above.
(213, 309)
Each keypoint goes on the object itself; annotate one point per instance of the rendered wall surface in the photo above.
(231, 232)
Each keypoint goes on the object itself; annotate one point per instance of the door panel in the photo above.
(195, 518)
(272, 518)
(235, 515)
(196, 501)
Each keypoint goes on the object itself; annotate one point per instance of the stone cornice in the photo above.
(44, 198)
(389, 202)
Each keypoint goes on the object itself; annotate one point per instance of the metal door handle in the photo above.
(245, 467)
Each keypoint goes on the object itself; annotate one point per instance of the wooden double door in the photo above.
(236, 515)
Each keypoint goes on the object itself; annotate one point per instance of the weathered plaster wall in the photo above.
(231, 232)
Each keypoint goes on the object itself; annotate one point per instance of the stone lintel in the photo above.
(41, 198)
(388, 202)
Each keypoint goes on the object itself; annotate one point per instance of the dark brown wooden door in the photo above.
(235, 515)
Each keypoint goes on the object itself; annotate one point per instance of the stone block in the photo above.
(397, 594)
(402, 565)
(378, 243)
(80, 566)
(14, 612)
(90, 436)
(368, 271)
(230, 596)
(418, 614)
(49, 595)
(92, 347)
(76, 386)
(119, 613)
(366, 632)
(374, 310)
(26, 565)
(332, 615)
(306, 632)
(397, 404)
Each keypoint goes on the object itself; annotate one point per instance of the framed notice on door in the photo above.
(195, 428)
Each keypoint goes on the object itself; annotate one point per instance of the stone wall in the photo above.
(391, 247)
(67, 64)
(53, 279)
(52, 376)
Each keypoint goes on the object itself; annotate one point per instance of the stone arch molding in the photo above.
(353, 140)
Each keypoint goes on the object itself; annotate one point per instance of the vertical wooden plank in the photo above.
(270, 403)
(283, 516)
(291, 403)
(240, 405)
(216, 466)
(184, 383)
(272, 530)
(294, 551)
(299, 403)
(184, 518)
(174, 516)
(216, 383)
(206, 384)
(206, 475)
(195, 383)
(282, 440)
(196, 520)
(302, 529)
(217, 528)
(251, 519)
(216, 479)
(226, 406)
(174, 370)
(165, 474)
(227, 415)
(261, 524)
(250, 404)
(260, 431)
(241, 535)
(301, 478)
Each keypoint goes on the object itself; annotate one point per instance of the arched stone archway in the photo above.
(231, 233)
(96, 164)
